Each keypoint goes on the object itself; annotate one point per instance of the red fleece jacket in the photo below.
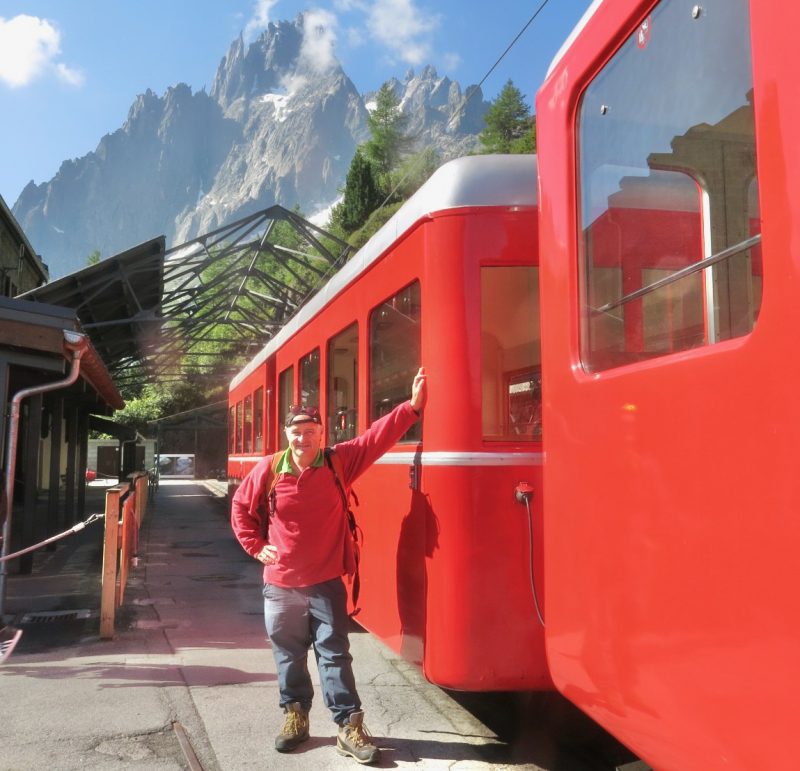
(309, 527)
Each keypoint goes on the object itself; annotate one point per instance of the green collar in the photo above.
(285, 466)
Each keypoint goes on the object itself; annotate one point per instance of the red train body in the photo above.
(451, 282)
(671, 504)
(665, 239)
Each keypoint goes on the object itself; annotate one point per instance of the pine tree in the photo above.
(510, 128)
(386, 124)
(361, 195)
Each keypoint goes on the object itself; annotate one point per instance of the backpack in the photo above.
(334, 463)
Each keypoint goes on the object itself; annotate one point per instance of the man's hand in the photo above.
(419, 391)
(268, 555)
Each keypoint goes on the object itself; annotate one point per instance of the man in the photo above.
(306, 548)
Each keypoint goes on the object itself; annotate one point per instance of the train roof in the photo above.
(475, 180)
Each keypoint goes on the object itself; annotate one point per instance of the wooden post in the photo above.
(141, 498)
(108, 591)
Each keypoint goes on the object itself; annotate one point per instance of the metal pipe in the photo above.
(78, 345)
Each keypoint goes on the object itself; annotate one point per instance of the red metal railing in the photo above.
(125, 506)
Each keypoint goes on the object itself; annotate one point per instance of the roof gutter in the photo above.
(76, 344)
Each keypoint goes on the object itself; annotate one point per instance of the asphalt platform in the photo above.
(188, 680)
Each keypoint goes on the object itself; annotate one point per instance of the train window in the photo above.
(343, 385)
(238, 426)
(309, 379)
(248, 424)
(231, 430)
(394, 354)
(285, 400)
(669, 208)
(510, 354)
(258, 419)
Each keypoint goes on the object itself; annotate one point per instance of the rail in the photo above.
(125, 506)
(703, 264)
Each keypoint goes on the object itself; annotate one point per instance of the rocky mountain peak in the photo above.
(279, 61)
(279, 125)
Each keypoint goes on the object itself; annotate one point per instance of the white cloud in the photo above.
(403, 28)
(355, 37)
(28, 49)
(259, 19)
(70, 76)
(452, 61)
(349, 5)
(293, 83)
(319, 39)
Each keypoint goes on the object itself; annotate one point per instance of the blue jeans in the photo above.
(312, 615)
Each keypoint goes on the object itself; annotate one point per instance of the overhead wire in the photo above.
(468, 96)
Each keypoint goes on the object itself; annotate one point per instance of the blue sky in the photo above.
(70, 69)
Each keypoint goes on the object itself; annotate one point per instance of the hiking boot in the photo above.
(295, 729)
(354, 740)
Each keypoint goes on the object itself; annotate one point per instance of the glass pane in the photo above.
(394, 354)
(239, 422)
(668, 178)
(258, 419)
(343, 385)
(510, 353)
(248, 424)
(232, 430)
(285, 400)
(309, 379)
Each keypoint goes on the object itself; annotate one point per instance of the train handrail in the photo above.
(706, 262)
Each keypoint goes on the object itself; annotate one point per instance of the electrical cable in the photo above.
(459, 110)
(470, 94)
(523, 495)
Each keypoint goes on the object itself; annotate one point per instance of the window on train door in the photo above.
(394, 354)
(309, 379)
(258, 420)
(343, 385)
(669, 214)
(248, 424)
(231, 431)
(285, 400)
(511, 375)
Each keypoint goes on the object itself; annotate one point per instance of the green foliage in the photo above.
(510, 128)
(157, 400)
(374, 223)
(93, 258)
(412, 172)
(361, 195)
(381, 173)
(387, 127)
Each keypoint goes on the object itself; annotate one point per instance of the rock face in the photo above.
(280, 125)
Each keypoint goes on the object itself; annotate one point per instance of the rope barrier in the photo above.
(74, 529)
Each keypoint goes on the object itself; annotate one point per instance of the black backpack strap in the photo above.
(334, 463)
(272, 480)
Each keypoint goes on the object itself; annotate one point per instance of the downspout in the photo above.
(77, 344)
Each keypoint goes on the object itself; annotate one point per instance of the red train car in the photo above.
(449, 561)
(670, 494)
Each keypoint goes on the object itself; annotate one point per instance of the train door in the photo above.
(670, 514)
